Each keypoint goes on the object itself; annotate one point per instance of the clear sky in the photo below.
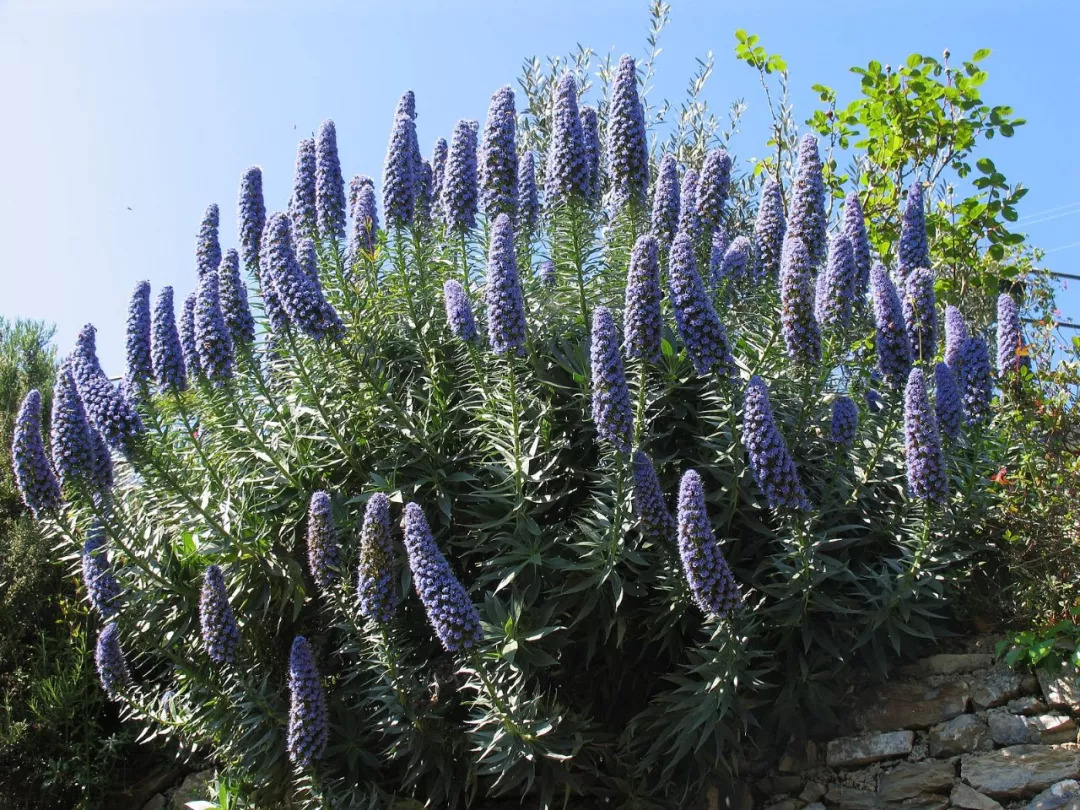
(122, 120)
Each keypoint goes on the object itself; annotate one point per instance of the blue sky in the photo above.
(122, 122)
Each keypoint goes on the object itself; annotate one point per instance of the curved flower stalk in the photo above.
(33, 473)
(701, 330)
(956, 332)
(446, 602)
(806, 218)
(309, 718)
(438, 172)
(913, 251)
(737, 261)
(102, 589)
(528, 200)
(893, 345)
(854, 228)
(140, 366)
(644, 322)
(976, 381)
(165, 349)
(770, 229)
(111, 666)
(251, 216)
(688, 216)
(399, 174)
(627, 148)
(365, 223)
(948, 403)
(324, 555)
(212, 339)
(926, 475)
(299, 295)
(220, 633)
(1011, 351)
(72, 449)
(567, 171)
(712, 191)
(459, 192)
(707, 573)
(844, 426)
(329, 184)
(375, 591)
(665, 207)
(459, 314)
(234, 300)
(774, 469)
(590, 138)
(188, 346)
(920, 314)
(838, 290)
(302, 208)
(611, 398)
(802, 336)
(505, 305)
(109, 411)
(207, 246)
(653, 518)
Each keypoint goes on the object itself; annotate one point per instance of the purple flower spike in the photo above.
(212, 339)
(644, 323)
(140, 368)
(914, 250)
(449, 609)
(802, 336)
(72, 448)
(207, 247)
(438, 172)
(611, 398)
(701, 330)
(329, 184)
(165, 349)
(838, 290)
(33, 474)
(188, 345)
(688, 216)
(459, 314)
(712, 190)
(948, 402)
(546, 272)
(252, 216)
(590, 137)
(977, 383)
(358, 182)
(459, 192)
(854, 228)
(299, 295)
(309, 718)
(665, 207)
(707, 572)
(1010, 338)
(505, 305)
(956, 333)
(109, 411)
(926, 475)
(307, 256)
(499, 164)
(845, 422)
(920, 314)
(375, 590)
(220, 633)
(324, 555)
(365, 227)
(528, 201)
(111, 666)
(406, 108)
(653, 518)
(627, 147)
(893, 345)
(770, 229)
(234, 300)
(424, 194)
(399, 174)
(774, 469)
(567, 172)
(807, 213)
(717, 250)
(302, 208)
(736, 263)
(101, 586)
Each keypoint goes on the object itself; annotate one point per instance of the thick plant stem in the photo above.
(639, 418)
(196, 442)
(500, 706)
(464, 263)
(515, 412)
(878, 450)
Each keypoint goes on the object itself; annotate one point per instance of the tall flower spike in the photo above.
(528, 201)
(212, 338)
(927, 479)
(499, 164)
(567, 172)
(459, 314)
(701, 330)
(665, 206)
(424, 194)
(854, 228)
(807, 213)
(913, 250)
(302, 208)
(802, 336)
(707, 572)
(234, 300)
(252, 216)
(361, 180)
(165, 348)
(688, 216)
(438, 172)
(737, 257)
(770, 229)
(140, 367)
(505, 306)
(406, 108)
(207, 247)
(109, 411)
(977, 383)
(644, 322)
(33, 473)
(611, 398)
(653, 518)
(309, 718)
(449, 609)
(101, 586)
(948, 403)
(307, 256)
(774, 469)
(590, 137)
(188, 345)
(365, 227)
(845, 422)
(324, 554)
(920, 314)
(838, 292)
(101, 479)
(111, 666)
(220, 633)
(956, 332)
(329, 184)
(399, 174)
(459, 192)
(1011, 354)
(627, 147)
(375, 590)
(893, 345)
(712, 190)
(299, 295)
(546, 272)
(72, 449)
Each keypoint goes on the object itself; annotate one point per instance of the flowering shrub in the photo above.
(511, 495)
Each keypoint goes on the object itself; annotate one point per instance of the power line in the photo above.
(1063, 247)
(1041, 220)
(1037, 214)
